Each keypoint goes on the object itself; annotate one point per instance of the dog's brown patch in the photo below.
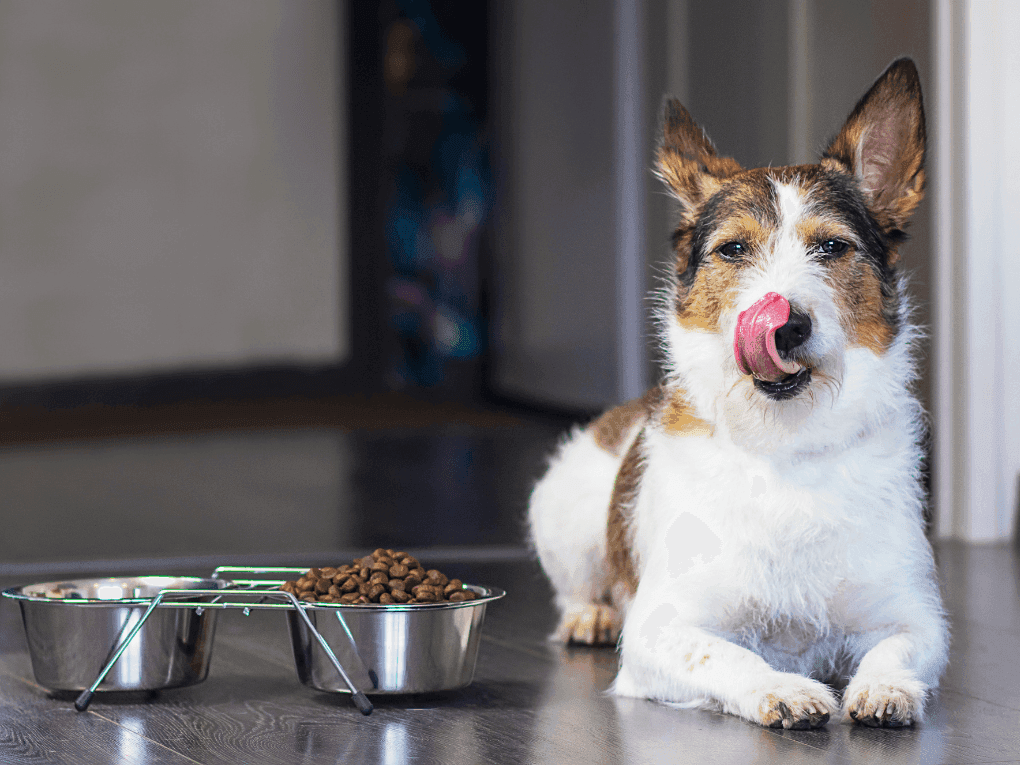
(619, 541)
(812, 230)
(712, 291)
(711, 294)
(611, 429)
(678, 417)
(861, 305)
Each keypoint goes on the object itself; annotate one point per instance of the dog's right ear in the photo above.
(687, 162)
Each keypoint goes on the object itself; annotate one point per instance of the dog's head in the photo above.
(784, 287)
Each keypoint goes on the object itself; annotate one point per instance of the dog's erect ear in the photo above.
(883, 143)
(687, 161)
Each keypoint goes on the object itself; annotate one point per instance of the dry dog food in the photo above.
(385, 576)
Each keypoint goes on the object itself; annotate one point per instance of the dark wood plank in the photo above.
(36, 729)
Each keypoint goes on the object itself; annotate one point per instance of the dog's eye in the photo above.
(733, 250)
(832, 248)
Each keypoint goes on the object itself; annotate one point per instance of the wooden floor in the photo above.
(455, 493)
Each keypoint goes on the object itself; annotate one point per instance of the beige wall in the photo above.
(168, 186)
(977, 321)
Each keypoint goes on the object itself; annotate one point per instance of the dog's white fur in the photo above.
(781, 551)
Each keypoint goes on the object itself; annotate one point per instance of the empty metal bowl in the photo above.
(74, 627)
(392, 648)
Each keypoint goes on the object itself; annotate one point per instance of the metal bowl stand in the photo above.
(262, 594)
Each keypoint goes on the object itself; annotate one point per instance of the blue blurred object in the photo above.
(434, 223)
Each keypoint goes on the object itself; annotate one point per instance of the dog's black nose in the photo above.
(795, 332)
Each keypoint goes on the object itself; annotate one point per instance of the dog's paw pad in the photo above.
(593, 624)
(883, 705)
(796, 704)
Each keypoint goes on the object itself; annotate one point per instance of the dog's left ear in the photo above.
(883, 144)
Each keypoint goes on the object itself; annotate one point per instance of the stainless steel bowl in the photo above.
(74, 627)
(392, 648)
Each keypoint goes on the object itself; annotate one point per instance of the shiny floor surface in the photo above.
(183, 502)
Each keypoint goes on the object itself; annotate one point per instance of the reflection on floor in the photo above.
(459, 491)
(297, 493)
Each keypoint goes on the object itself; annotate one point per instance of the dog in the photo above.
(750, 532)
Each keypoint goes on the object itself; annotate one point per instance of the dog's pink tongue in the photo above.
(754, 342)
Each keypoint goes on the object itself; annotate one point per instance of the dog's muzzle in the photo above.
(767, 334)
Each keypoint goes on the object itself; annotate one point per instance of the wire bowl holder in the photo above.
(392, 648)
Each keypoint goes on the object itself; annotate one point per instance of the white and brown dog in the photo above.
(751, 530)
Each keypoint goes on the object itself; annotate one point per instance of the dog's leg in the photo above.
(892, 681)
(668, 659)
(568, 513)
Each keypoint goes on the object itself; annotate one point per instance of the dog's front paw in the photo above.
(591, 624)
(884, 704)
(794, 703)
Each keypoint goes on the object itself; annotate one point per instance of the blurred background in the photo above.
(404, 238)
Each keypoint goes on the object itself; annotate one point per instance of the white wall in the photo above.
(977, 330)
(168, 186)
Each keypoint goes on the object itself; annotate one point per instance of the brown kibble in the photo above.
(436, 577)
(386, 576)
(427, 590)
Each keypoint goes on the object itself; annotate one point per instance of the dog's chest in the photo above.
(769, 542)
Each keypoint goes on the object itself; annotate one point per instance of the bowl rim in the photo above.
(486, 595)
(18, 592)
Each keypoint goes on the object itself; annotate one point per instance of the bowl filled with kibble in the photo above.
(395, 625)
